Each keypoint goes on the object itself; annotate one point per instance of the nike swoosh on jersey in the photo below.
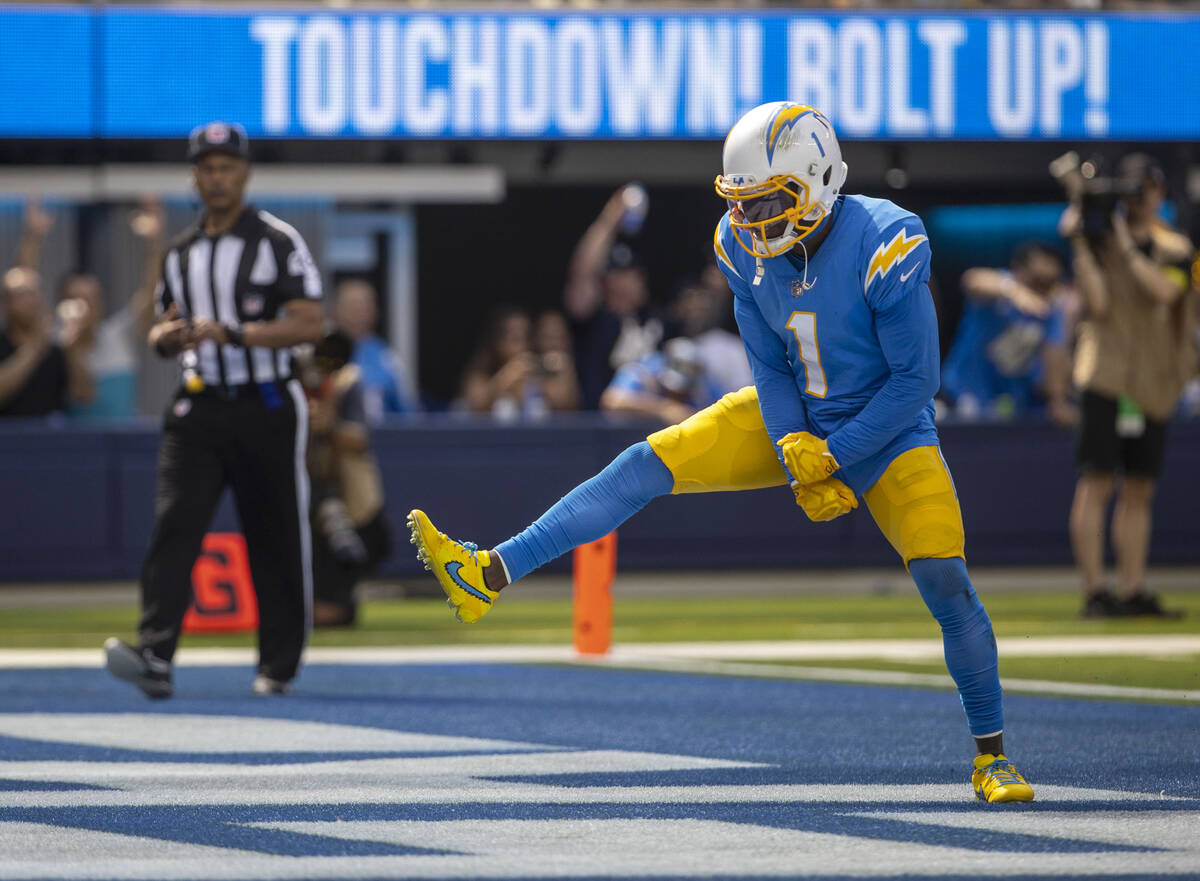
(452, 569)
(904, 275)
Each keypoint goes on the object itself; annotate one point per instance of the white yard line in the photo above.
(720, 658)
(779, 650)
(896, 677)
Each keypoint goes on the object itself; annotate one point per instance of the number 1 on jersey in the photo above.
(804, 326)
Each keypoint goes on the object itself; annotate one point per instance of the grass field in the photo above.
(411, 622)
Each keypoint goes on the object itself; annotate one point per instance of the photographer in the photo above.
(1136, 351)
(350, 533)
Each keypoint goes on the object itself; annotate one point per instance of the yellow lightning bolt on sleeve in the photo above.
(891, 254)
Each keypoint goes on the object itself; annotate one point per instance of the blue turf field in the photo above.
(512, 771)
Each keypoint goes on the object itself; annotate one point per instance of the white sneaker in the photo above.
(265, 685)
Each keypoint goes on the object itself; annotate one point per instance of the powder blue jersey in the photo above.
(846, 346)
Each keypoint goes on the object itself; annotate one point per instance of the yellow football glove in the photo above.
(807, 457)
(825, 500)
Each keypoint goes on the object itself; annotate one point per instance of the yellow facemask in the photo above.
(780, 201)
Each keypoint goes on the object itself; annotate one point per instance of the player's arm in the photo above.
(907, 332)
(783, 411)
(896, 287)
(779, 400)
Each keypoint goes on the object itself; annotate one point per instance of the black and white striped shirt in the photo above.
(246, 273)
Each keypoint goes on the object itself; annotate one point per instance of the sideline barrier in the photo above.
(79, 504)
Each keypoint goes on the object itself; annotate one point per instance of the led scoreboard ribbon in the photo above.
(138, 72)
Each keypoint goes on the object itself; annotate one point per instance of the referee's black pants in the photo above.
(255, 445)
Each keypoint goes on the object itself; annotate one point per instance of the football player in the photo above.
(831, 296)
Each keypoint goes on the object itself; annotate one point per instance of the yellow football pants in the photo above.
(726, 447)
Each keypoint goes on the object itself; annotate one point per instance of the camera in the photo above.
(1097, 195)
(317, 362)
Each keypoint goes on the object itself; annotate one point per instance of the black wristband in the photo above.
(235, 335)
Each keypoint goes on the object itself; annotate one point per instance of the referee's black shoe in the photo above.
(152, 675)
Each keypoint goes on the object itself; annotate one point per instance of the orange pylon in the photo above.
(595, 568)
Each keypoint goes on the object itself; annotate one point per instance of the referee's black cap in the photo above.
(218, 137)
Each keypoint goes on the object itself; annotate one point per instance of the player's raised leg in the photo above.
(722, 448)
(917, 509)
(472, 578)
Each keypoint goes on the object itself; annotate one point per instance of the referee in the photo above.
(238, 289)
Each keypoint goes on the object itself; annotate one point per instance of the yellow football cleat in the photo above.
(458, 567)
(996, 780)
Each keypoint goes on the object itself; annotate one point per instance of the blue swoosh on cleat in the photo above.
(452, 569)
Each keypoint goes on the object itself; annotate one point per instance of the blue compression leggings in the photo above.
(636, 477)
(590, 511)
(967, 637)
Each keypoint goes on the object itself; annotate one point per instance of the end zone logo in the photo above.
(137, 795)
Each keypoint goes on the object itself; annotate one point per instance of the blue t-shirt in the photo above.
(848, 350)
(644, 376)
(384, 388)
(997, 354)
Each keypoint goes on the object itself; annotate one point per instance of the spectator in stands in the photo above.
(41, 371)
(108, 346)
(668, 386)
(1136, 351)
(386, 388)
(607, 296)
(350, 532)
(704, 312)
(506, 377)
(1010, 355)
(556, 360)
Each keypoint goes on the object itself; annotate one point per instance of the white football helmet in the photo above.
(783, 170)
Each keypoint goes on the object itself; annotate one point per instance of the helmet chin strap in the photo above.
(804, 281)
